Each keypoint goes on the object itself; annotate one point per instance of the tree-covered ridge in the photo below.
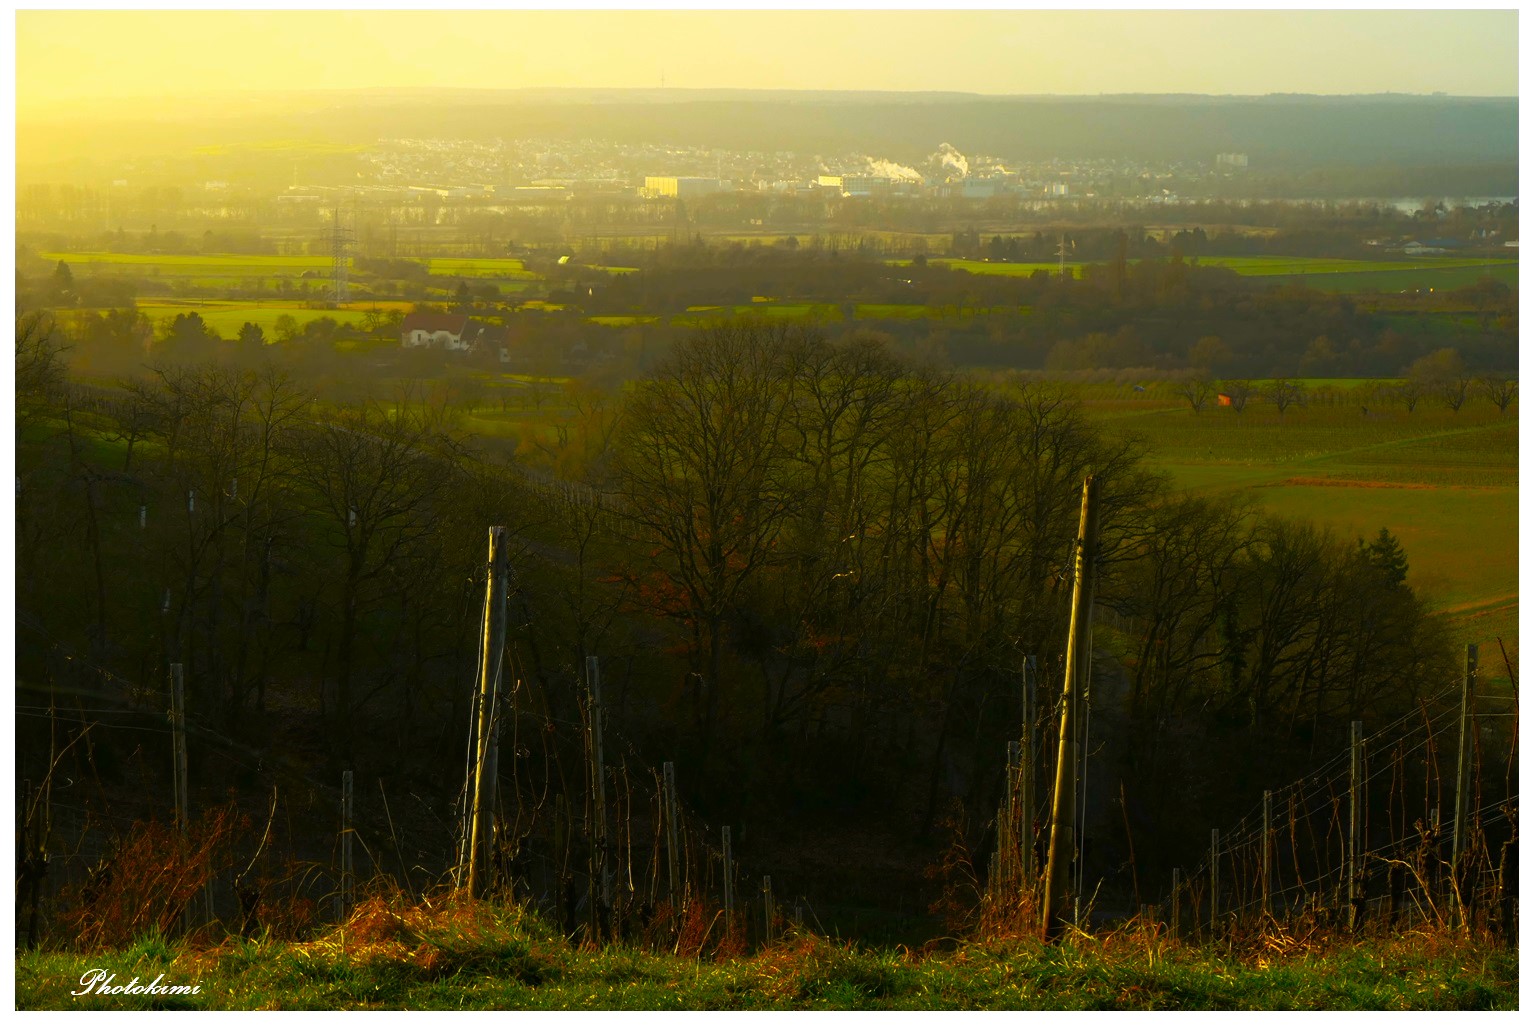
(819, 566)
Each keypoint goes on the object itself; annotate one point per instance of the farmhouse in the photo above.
(434, 330)
(456, 332)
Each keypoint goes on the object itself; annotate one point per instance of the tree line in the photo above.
(815, 567)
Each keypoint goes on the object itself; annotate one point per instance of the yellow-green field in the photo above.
(481, 267)
(189, 264)
(226, 317)
(1446, 484)
(1337, 275)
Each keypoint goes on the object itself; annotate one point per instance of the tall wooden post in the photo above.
(1267, 851)
(344, 893)
(1355, 819)
(492, 641)
(600, 885)
(178, 763)
(668, 773)
(1062, 829)
(1462, 771)
(1214, 879)
(729, 877)
(767, 905)
(1014, 832)
(178, 744)
(1176, 900)
(1030, 684)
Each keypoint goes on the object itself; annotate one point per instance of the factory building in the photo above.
(684, 188)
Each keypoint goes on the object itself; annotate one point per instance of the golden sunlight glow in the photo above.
(73, 57)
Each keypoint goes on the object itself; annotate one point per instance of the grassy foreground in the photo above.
(486, 958)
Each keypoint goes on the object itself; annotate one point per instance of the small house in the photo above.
(433, 331)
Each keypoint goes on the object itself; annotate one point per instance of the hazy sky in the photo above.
(65, 57)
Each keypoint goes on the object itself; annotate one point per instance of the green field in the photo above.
(1328, 266)
(226, 317)
(210, 265)
(920, 311)
(1335, 275)
(987, 267)
(481, 267)
(1446, 484)
(702, 315)
(622, 320)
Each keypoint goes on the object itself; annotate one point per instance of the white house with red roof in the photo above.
(435, 331)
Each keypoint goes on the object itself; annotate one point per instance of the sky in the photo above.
(71, 57)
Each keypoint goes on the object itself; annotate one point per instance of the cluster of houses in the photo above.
(456, 333)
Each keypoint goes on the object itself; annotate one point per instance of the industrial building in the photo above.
(684, 188)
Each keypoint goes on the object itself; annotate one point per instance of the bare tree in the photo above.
(1285, 393)
(1443, 373)
(1196, 389)
(1239, 390)
(1409, 392)
(703, 467)
(39, 367)
(1499, 387)
(375, 476)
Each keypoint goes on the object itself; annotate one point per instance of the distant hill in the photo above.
(1282, 132)
(1279, 131)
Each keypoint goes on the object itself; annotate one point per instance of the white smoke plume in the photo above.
(948, 157)
(892, 171)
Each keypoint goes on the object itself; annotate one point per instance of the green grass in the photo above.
(481, 267)
(499, 959)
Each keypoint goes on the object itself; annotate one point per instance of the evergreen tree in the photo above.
(1386, 555)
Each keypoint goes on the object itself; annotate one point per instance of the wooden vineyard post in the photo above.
(178, 762)
(344, 893)
(1355, 821)
(1062, 829)
(32, 854)
(178, 743)
(767, 906)
(600, 884)
(1013, 836)
(729, 882)
(1267, 851)
(562, 865)
(1030, 683)
(668, 772)
(1176, 901)
(1214, 880)
(493, 640)
(1462, 771)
